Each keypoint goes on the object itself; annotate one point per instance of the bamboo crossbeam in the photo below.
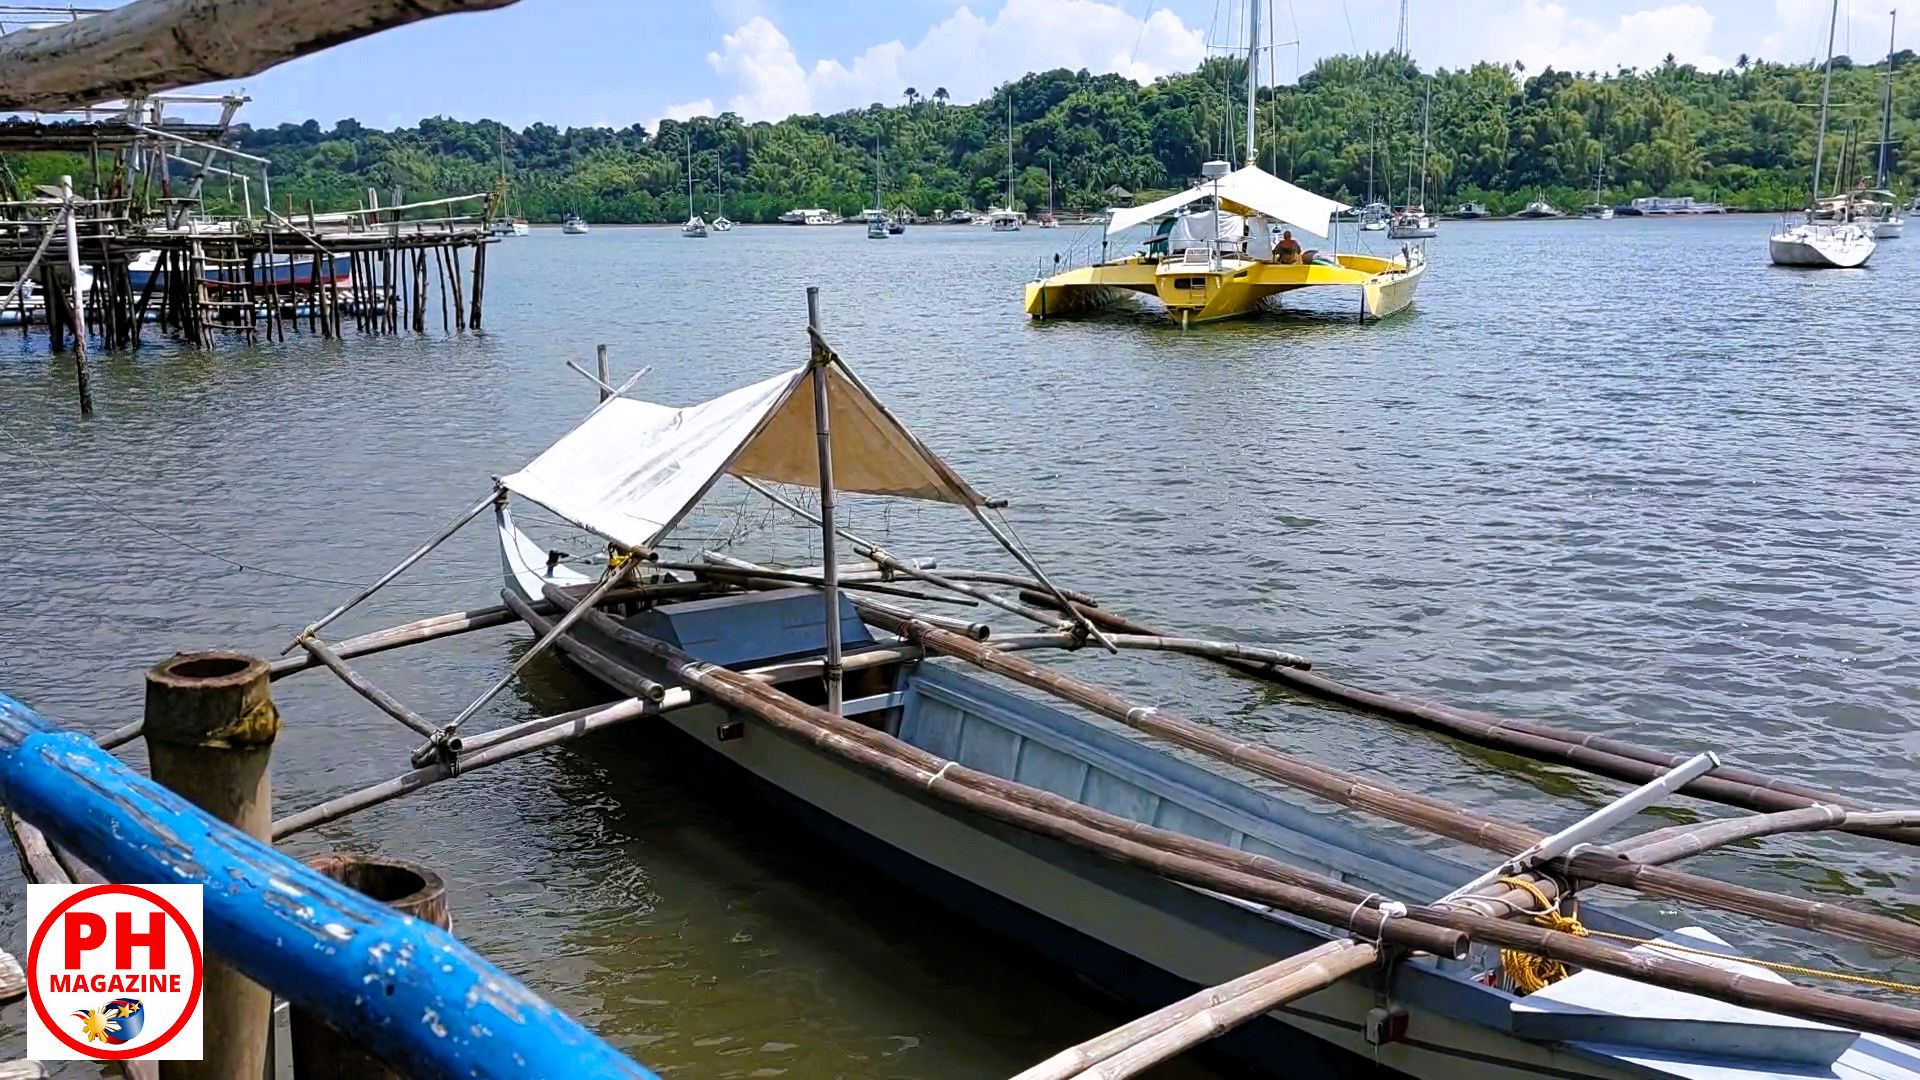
(359, 684)
(394, 637)
(154, 45)
(1418, 811)
(978, 631)
(1731, 785)
(1287, 981)
(787, 578)
(503, 745)
(1074, 1060)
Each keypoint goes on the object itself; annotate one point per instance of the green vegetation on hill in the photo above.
(1743, 136)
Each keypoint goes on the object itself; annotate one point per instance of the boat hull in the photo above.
(1889, 230)
(1813, 253)
(1195, 293)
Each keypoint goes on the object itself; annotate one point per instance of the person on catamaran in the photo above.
(1288, 250)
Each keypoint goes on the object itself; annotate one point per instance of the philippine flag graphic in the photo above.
(116, 1023)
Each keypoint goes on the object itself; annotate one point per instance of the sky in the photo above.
(622, 62)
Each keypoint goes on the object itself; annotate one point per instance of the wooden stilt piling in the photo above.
(210, 724)
(319, 1048)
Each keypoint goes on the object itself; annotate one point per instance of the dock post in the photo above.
(606, 380)
(319, 1049)
(210, 724)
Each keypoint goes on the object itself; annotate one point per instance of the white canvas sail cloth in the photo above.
(633, 469)
(1248, 190)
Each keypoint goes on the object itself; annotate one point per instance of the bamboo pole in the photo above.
(1730, 785)
(1038, 811)
(868, 749)
(606, 377)
(79, 306)
(829, 559)
(1417, 811)
(381, 700)
(1075, 1059)
(1289, 980)
(210, 727)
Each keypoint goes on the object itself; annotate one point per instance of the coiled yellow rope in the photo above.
(1529, 973)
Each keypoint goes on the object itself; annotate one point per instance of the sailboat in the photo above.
(574, 224)
(876, 217)
(720, 222)
(1599, 209)
(1811, 243)
(1373, 216)
(1007, 220)
(1221, 261)
(1413, 222)
(1879, 209)
(508, 223)
(695, 227)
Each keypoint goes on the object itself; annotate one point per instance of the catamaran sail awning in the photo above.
(1246, 190)
(633, 469)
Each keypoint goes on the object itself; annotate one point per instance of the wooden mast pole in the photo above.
(830, 568)
(78, 310)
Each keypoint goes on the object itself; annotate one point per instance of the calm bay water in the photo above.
(1621, 476)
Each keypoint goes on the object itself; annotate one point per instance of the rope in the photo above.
(1530, 973)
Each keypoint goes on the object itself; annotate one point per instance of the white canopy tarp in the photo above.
(1251, 190)
(633, 469)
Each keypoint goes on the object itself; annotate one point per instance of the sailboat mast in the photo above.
(1253, 77)
(1009, 149)
(1826, 92)
(1886, 109)
(1426, 129)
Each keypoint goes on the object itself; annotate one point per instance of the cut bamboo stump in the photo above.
(210, 724)
(320, 1049)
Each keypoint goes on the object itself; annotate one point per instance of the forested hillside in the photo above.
(1499, 133)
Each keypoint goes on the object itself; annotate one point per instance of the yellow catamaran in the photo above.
(1224, 263)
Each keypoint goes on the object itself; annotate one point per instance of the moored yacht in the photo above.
(574, 225)
(1468, 211)
(1221, 260)
(1828, 238)
(1539, 208)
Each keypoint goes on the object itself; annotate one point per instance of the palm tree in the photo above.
(1743, 62)
(912, 95)
(940, 94)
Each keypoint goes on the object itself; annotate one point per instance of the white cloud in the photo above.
(685, 110)
(1544, 34)
(965, 53)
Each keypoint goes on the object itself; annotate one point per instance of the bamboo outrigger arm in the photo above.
(153, 45)
(1601, 755)
(1210, 865)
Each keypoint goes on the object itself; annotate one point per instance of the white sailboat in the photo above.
(1413, 222)
(574, 225)
(696, 227)
(1006, 220)
(1881, 209)
(1822, 245)
(876, 218)
(508, 223)
(1373, 216)
(720, 222)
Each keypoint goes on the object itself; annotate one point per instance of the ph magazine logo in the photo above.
(113, 972)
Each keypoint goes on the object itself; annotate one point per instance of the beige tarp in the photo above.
(633, 469)
(1245, 191)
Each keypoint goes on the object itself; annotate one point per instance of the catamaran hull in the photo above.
(1196, 294)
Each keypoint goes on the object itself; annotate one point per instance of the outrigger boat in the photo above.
(1210, 279)
(845, 704)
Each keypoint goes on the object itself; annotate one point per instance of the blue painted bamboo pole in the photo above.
(413, 993)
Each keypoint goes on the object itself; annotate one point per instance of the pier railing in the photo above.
(445, 1010)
